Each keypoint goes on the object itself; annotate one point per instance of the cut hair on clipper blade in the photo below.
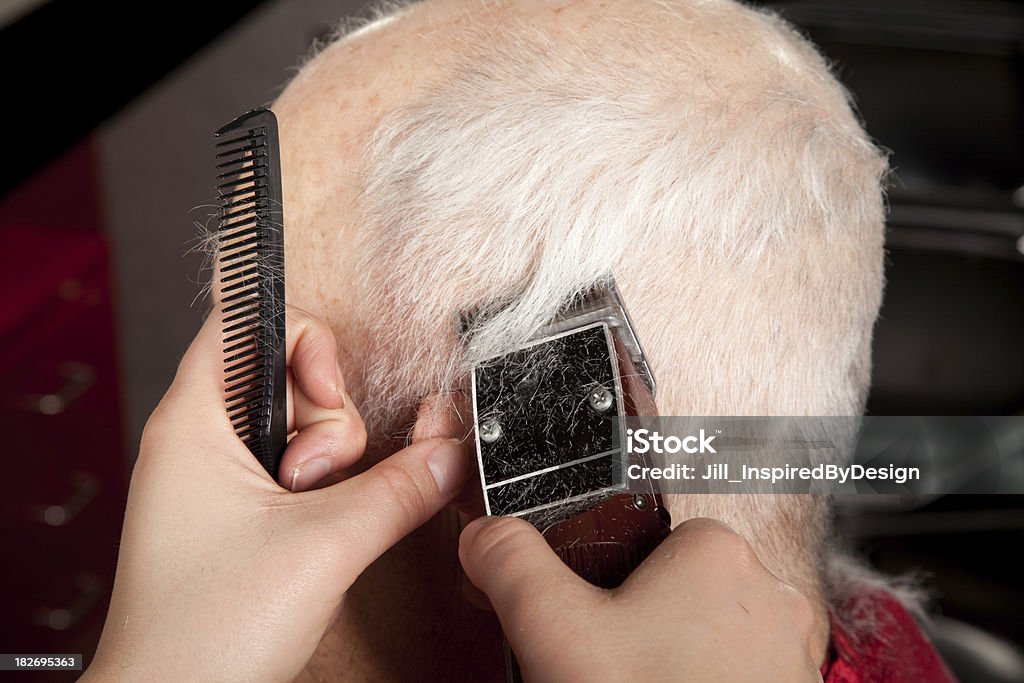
(547, 414)
(250, 267)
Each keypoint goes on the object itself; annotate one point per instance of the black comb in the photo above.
(251, 264)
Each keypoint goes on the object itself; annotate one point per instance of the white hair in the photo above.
(520, 177)
(701, 152)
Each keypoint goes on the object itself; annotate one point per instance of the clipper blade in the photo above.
(549, 414)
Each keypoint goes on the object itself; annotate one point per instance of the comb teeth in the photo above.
(251, 265)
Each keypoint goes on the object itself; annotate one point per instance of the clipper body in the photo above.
(549, 442)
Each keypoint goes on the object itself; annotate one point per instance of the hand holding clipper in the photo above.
(549, 423)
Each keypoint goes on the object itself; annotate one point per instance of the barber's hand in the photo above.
(223, 574)
(701, 608)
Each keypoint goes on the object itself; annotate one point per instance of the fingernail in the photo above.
(308, 474)
(448, 466)
(341, 385)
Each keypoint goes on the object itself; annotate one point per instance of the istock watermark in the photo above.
(870, 455)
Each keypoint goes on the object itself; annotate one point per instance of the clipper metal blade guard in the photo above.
(545, 433)
(548, 414)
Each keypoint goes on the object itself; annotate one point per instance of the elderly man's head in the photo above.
(463, 153)
(459, 154)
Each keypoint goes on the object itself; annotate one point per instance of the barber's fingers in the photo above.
(331, 432)
(525, 581)
(437, 417)
(312, 354)
(696, 549)
(331, 435)
(310, 351)
(329, 440)
(379, 507)
(722, 567)
(445, 415)
(735, 593)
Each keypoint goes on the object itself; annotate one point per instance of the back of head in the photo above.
(700, 151)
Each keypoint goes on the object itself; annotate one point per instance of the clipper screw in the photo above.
(600, 399)
(490, 431)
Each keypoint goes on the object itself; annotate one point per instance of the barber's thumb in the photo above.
(388, 501)
(521, 575)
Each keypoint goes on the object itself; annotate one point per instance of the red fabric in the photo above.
(888, 648)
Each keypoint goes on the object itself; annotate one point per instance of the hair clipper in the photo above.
(549, 420)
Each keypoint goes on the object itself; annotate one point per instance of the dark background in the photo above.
(105, 128)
